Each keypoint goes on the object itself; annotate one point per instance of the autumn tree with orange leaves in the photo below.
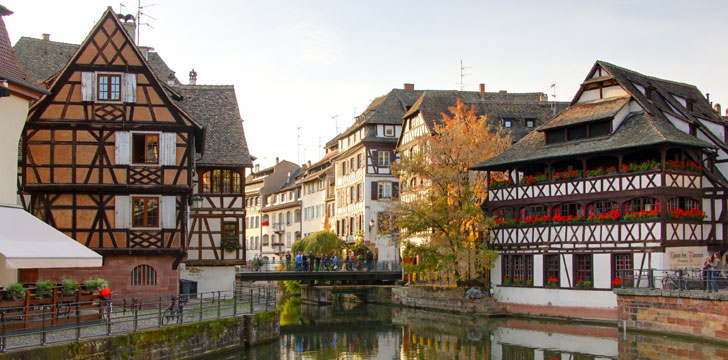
(447, 213)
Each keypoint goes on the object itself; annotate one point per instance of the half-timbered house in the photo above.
(108, 159)
(630, 178)
(215, 239)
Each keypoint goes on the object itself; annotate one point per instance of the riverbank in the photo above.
(184, 341)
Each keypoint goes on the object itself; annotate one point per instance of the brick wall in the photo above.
(692, 314)
(117, 271)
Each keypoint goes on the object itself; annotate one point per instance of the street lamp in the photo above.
(197, 202)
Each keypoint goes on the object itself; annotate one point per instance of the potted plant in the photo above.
(43, 288)
(552, 281)
(529, 282)
(94, 284)
(584, 283)
(506, 280)
(69, 286)
(15, 291)
(517, 281)
(229, 243)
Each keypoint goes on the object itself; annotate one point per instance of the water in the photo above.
(363, 331)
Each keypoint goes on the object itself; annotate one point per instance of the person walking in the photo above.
(288, 261)
(299, 261)
(708, 273)
(318, 262)
(716, 267)
(334, 261)
(369, 259)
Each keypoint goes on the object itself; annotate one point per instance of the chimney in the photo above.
(193, 77)
(277, 160)
(46, 37)
(482, 92)
(309, 163)
(130, 26)
(170, 79)
(707, 97)
(145, 51)
(409, 86)
(717, 108)
(543, 97)
(502, 92)
(257, 167)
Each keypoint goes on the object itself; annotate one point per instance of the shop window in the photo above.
(143, 275)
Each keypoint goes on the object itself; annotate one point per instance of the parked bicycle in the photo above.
(674, 280)
(174, 312)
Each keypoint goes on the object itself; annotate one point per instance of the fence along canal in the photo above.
(45, 324)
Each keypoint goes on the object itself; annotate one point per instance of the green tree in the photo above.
(447, 212)
(322, 242)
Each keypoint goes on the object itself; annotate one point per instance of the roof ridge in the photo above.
(652, 123)
(204, 86)
(49, 41)
(647, 76)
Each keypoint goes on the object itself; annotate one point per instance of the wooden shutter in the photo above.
(395, 190)
(375, 159)
(169, 212)
(122, 154)
(168, 149)
(130, 88)
(122, 212)
(375, 190)
(88, 86)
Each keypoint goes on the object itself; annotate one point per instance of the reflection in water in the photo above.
(361, 331)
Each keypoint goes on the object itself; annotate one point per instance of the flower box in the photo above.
(601, 171)
(567, 175)
(641, 167)
(500, 183)
(642, 215)
(690, 166)
(691, 214)
(533, 179)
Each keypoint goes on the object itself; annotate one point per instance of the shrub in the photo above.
(70, 286)
(14, 291)
(94, 284)
(42, 288)
(229, 243)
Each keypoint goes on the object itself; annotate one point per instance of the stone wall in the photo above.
(172, 342)
(643, 346)
(681, 313)
(437, 298)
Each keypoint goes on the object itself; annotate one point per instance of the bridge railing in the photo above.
(322, 267)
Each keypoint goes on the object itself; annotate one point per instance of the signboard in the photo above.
(686, 257)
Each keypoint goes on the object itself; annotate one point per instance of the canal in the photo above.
(366, 331)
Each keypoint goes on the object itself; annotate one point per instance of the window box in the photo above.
(500, 183)
(534, 179)
(601, 171)
(689, 166)
(642, 215)
(584, 284)
(552, 282)
(566, 175)
(693, 214)
(648, 165)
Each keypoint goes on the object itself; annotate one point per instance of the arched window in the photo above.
(143, 275)
(221, 181)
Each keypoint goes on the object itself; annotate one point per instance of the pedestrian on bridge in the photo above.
(288, 261)
(299, 261)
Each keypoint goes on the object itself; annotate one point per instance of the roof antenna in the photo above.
(553, 96)
(298, 147)
(121, 7)
(463, 75)
(140, 13)
(336, 119)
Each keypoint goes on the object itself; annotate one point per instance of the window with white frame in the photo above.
(384, 190)
(389, 130)
(383, 158)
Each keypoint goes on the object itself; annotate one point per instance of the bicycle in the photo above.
(109, 306)
(674, 280)
(173, 312)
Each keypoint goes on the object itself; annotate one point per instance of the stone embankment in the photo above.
(172, 342)
(434, 298)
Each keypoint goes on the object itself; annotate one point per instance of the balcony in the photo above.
(607, 235)
(278, 227)
(595, 185)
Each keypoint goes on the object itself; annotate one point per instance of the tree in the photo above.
(448, 212)
(322, 242)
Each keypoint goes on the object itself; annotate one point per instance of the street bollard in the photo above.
(78, 322)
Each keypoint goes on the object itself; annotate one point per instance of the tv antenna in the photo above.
(463, 75)
(140, 13)
(298, 147)
(336, 120)
(553, 97)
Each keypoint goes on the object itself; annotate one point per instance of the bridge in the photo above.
(381, 272)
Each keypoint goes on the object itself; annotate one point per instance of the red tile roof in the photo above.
(9, 68)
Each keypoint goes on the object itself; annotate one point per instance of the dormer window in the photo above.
(579, 131)
(507, 123)
(530, 123)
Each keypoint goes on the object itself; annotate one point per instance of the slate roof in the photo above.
(10, 68)
(386, 109)
(587, 112)
(44, 58)
(496, 106)
(640, 129)
(216, 108)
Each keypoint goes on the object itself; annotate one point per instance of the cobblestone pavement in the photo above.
(124, 322)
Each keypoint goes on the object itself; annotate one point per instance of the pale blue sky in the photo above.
(299, 63)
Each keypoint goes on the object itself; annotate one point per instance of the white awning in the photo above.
(26, 242)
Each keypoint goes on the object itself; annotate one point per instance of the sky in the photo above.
(303, 68)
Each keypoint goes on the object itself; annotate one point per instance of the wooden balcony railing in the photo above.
(594, 185)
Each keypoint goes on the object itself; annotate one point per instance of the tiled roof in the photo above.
(216, 107)
(44, 58)
(495, 106)
(386, 109)
(640, 129)
(10, 68)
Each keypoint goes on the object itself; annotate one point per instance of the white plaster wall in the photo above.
(537, 275)
(589, 95)
(613, 91)
(210, 278)
(566, 268)
(602, 271)
(621, 115)
(14, 110)
(556, 297)
(680, 124)
(717, 130)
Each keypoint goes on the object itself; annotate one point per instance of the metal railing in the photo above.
(72, 321)
(672, 279)
(322, 267)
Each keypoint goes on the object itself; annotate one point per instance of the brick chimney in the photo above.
(409, 86)
(129, 25)
(717, 108)
(46, 37)
(482, 92)
(193, 77)
(543, 97)
(502, 92)
(257, 167)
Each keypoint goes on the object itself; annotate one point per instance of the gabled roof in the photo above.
(10, 69)
(216, 107)
(386, 109)
(639, 129)
(44, 58)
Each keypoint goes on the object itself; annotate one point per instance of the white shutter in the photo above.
(168, 149)
(169, 212)
(88, 86)
(122, 212)
(130, 88)
(123, 148)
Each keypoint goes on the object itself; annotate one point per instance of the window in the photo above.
(622, 266)
(551, 270)
(555, 136)
(535, 210)
(288, 217)
(358, 192)
(570, 209)
(265, 240)
(518, 269)
(576, 132)
(290, 196)
(145, 211)
(507, 123)
(145, 148)
(684, 203)
(384, 190)
(351, 164)
(358, 161)
(108, 87)
(222, 181)
(297, 216)
(601, 128)
(530, 123)
(583, 270)
(504, 213)
(257, 221)
(603, 207)
(143, 275)
(343, 168)
(388, 131)
(383, 158)
(643, 204)
(229, 231)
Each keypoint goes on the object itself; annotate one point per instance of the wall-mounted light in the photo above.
(371, 224)
(197, 201)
